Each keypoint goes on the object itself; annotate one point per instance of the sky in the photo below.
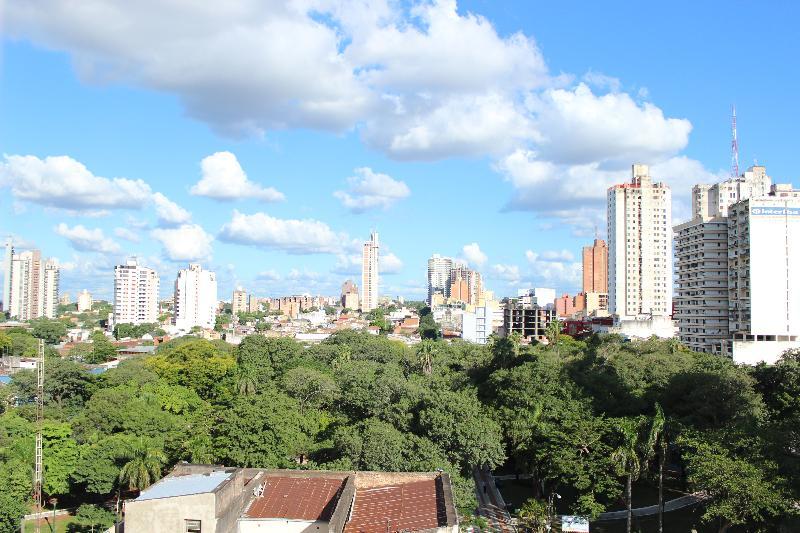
(265, 140)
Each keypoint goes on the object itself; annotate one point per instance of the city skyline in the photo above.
(157, 162)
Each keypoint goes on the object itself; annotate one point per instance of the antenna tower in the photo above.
(734, 147)
(37, 475)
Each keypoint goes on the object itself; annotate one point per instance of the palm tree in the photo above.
(425, 354)
(656, 444)
(553, 332)
(627, 460)
(142, 468)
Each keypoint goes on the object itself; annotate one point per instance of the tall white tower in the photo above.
(136, 290)
(7, 275)
(195, 298)
(370, 273)
(640, 247)
(439, 275)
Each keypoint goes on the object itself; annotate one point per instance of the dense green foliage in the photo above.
(137, 331)
(579, 418)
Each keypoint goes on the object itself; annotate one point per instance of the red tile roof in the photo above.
(295, 498)
(403, 507)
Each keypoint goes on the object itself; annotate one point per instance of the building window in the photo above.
(193, 526)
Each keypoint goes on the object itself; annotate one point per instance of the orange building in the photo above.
(595, 267)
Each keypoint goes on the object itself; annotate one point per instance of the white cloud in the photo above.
(188, 242)
(390, 264)
(62, 182)
(369, 190)
(128, 235)
(508, 273)
(87, 240)
(224, 179)
(473, 254)
(268, 275)
(294, 236)
(576, 127)
(168, 212)
(555, 268)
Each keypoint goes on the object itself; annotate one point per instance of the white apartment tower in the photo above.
(701, 259)
(370, 273)
(640, 247)
(195, 298)
(30, 286)
(85, 301)
(136, 290)
(439, 276)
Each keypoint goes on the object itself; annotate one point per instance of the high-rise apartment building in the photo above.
(595, 267)
(195, 298)
(640, 247)
(369, 273)
(136, 290)
(239, 301)
(439, 276)
(349, 297)
(30, 286)
(85, 301)
(736, 265)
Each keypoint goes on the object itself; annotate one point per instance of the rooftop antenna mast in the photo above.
(37, 474)
(734, 147)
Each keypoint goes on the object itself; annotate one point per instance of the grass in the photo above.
(61, 524)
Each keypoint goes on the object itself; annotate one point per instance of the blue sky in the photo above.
(487, 131)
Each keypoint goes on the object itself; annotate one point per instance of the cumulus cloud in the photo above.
(168, 212)
(390, 264)
(188, 242)
(87, 240)
(127, 234)
(224, 179)
(554, 268)
(508, 273)
(63, 182)
(370, 190)
(295, 236)
(473, 254)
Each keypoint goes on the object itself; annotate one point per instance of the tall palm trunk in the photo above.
(661, 459)
(630, 512)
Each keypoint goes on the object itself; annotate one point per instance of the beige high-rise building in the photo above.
(370, 273)
(239, 301)
(30, 287)
(349, 297)
(136, 294)
(595, 267)
(85, 301)
(640, 247)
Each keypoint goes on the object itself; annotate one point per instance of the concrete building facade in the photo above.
(195, 298)
(595, 267)
(370, 274)
(136, 291)
(30, 285)
(239, 301)
(640, 247)
(439, 269)
(85, 301)
(529, 320)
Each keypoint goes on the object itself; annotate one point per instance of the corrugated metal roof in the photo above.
(296, 498)
(172, 486)
(404, 507)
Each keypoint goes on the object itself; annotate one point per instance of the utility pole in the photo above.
(37, 475)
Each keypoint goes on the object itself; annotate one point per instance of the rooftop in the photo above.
(297, 498)
(172, 486)
(411, 506)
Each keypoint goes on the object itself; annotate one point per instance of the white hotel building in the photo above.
(737, 268)
(136, 290)
(195, 298)
(640, 255)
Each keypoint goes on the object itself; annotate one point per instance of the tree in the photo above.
(428, 328)
(741, 491)
(553, 333)
(67, 383)
(102, 349)
(627, 460)
(12, 509)
(656, 445)
(93, 517)
(197, 364)
(51, 331)
(534, 515)
(425, 353)
(309, 387)
(143, 464)
(60, 457)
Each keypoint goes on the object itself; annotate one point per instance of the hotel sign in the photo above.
(775, 211)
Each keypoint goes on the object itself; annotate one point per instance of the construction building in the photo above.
(530, 320)
(206, 499)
